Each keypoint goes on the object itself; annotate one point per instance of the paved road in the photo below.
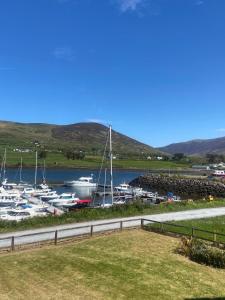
(75, 229)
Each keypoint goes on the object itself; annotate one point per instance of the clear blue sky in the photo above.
(154, 69)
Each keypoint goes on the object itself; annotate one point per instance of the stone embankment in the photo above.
(184, 187)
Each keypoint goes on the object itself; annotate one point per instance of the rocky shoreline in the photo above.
(184, 187)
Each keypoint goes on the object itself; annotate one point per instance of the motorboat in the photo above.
(78, 204)
(106, 205)
(14, 215)
(81, 182)
(124, 188)
(64, 199)
(40, 190)
(21, 212)
(119, 202)
(8, 185)
(49, 196)
(219, 173)
(10, 198)
(137, 191)
(15, 186)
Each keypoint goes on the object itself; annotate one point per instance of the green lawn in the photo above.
(210, 225)
(128, 265)
(57, 159)
(135, 209)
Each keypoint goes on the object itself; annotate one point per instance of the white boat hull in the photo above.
(80, 184)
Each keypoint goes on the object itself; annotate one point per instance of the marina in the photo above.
(21, 200)
(18, 203)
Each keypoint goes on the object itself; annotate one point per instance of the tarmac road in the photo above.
(76, 229)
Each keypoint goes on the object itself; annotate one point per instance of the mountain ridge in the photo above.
(84, 136)
(197, 147)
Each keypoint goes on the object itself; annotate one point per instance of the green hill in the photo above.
(90, 137)
(197, 147)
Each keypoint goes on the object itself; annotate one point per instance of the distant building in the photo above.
(201, 167)
(159, 158)
(21, 150)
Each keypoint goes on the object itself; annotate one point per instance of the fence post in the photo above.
(13, 243)
(192, 231)
(56, 237)
(214, 237)
(121, 225)
(161, 227)
(92, 227)
(142, 223)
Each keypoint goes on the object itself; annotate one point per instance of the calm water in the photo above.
(60, 175)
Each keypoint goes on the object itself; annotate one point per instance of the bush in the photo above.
(202, 252)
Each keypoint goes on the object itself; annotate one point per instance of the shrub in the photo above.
(202, 252)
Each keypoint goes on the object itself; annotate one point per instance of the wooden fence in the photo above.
(14, 242)
(177, 229)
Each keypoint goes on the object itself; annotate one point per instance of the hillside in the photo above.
(197, 147)
(80, 136)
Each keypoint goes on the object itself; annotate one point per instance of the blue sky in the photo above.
(154, 69)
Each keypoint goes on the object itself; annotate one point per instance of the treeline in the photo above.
(70, 154)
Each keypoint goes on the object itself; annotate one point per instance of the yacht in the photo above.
(14, 215)
(49, 196)
(22, 212)
(81, 182)
(10, 198)
(64, 199)
(40, 190)
(14, 186)
(123, 187)
(78, 204)
(219, 173)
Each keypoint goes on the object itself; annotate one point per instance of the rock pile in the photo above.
(185, 187)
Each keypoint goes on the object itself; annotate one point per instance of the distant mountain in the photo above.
(197, 147)
(80, 136)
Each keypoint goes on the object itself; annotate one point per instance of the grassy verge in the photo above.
(203, 228)
(99, 213)
(128, 265)
(212, 224)
(55, 159)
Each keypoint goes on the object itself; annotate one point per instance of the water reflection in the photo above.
(83, 192)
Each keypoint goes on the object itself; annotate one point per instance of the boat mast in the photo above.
(4, 165)
(44, 173)
(111, 157)
(2, 168)
(35, 174)
(21, 166)
(104, 187)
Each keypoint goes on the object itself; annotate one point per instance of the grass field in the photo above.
(57, 159)
(211, 224)
(201, 228)
(99, 213)
(128, 265)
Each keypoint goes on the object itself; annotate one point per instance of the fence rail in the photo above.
(13, 242)
(166, 227)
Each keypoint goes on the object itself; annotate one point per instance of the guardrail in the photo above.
(12, 242)
(165, 227)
